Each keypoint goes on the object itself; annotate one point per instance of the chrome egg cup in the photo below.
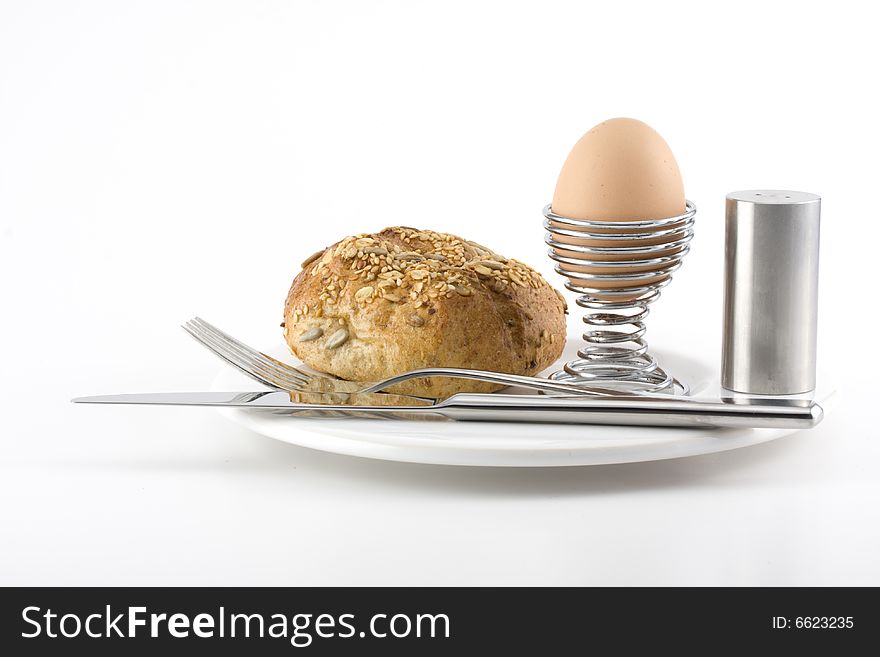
(616, 353)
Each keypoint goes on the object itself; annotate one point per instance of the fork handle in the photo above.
(532, 382)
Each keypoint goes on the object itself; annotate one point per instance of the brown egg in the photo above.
(621, 170)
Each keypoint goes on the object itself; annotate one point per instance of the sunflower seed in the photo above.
(415, 257)
(393, 298)
(436, 256)
(482, 270)
(479, 247)
(561, 298)
(363, 293)
(376, 250)
(492, 264)
(463, 291)
(415, 320)
(312, 258)
(338, 339)
(418, 274)
(311, 334)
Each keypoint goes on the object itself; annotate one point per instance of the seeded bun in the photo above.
(371, 306)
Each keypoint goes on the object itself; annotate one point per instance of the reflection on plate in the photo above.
(504, 443)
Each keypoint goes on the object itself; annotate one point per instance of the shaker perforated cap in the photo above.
(771, 270)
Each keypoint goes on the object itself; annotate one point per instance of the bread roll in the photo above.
(372, 306)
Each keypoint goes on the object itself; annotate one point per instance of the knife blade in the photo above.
(269, 399)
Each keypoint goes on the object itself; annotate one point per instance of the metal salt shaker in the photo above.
(770, 292)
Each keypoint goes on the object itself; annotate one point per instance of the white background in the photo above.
(164, 159)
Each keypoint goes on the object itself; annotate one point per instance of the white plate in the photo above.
(503, 443)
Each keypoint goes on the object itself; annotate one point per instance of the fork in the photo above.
(276, 374)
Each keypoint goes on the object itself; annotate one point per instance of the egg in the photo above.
(621, 170)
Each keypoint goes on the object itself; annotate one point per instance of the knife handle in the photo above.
(631, 411)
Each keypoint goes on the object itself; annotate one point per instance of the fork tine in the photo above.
(273, 363)
(275, 378)
(258, 355)
(230, 359)
(242, 360)
(270, 363)
(278, 378)
(246, 366)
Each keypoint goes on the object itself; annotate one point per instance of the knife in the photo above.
(629, 411)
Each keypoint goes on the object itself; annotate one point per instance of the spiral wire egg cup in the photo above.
(616, 354)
